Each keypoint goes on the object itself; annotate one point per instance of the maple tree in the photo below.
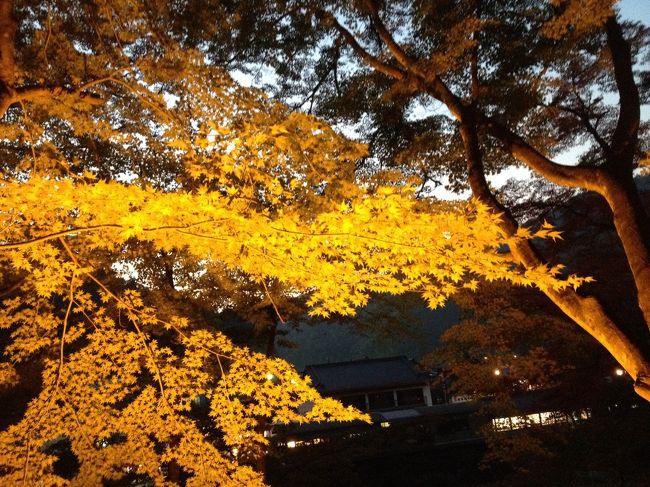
(462, 89)
(142, 190)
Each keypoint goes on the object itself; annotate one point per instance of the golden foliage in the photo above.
(571, 16)
(129, 140)
(115, 391)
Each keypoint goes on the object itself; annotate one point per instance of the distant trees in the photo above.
(512, 351)
(550, 396)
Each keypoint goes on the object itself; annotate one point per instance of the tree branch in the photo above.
(586, 122)
(431, 84)
(474, 79)
(514, 144)
(396, 50)
(624, 140)
(587, 312)
(8, 28)
(368, 58)
(92, 228)
(34, 92)
(12, 288)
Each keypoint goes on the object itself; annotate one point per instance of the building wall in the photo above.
(397, 398)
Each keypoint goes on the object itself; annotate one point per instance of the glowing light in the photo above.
(542, 418)
(497, 372)
(270, 376)
(619, 372)
(291, 444)
(384, 424)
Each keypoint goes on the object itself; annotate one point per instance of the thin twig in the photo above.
(29, 135)
(49, 35)
(140, 333)
(12, 288)
(268, 294)
(63, 333)
(29, 451)
(91, 228)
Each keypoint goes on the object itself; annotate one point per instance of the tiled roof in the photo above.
(364, 375)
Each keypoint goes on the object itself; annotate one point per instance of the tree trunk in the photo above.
(633, 227)
(7, 67)
(587, 312)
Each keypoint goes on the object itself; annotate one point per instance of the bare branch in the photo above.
(275, 308)
(586, 122)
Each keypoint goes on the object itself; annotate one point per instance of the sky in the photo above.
(635, 10)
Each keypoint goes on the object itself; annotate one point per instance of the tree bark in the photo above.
(7, 34)
(7, 65)
(587, 312)
(633, 227)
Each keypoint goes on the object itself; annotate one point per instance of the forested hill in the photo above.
(391, 325)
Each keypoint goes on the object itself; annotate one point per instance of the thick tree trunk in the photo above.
(7, 34)
(272, 332)
(7, 66)
(587, 312)
(633, 227)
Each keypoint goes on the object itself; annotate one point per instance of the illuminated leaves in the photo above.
(572, 16)
(130, 392)
(381, 242)
(138, 148)
(122, 401)
(8, 375)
